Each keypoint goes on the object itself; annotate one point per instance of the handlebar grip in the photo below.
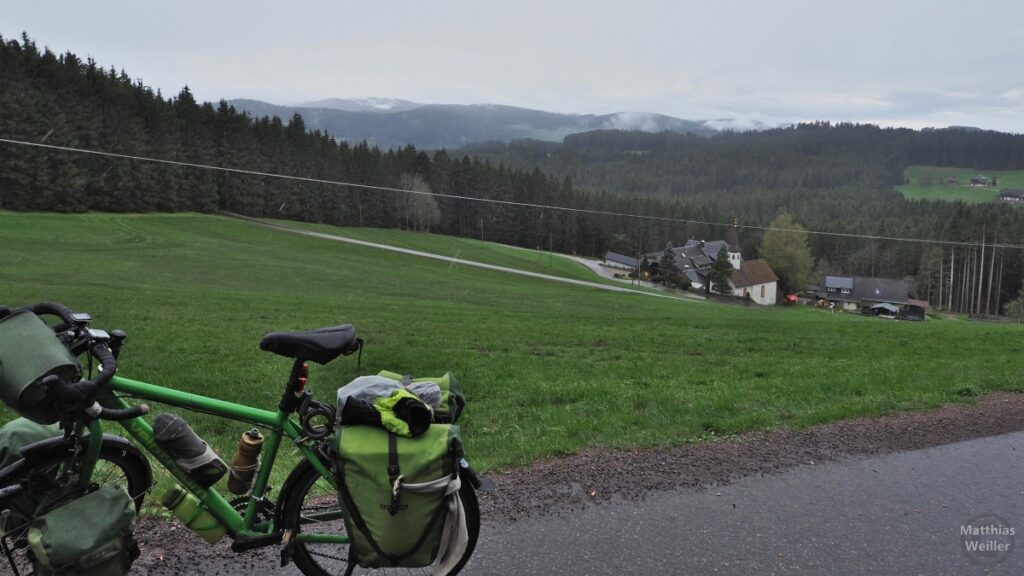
(59, 310)
(11, 491)
(101, 413)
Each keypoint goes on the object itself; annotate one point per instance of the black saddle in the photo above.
(321, 345)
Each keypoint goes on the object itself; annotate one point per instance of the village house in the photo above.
(753, 279)
(979, 181)
(1011, 196)
(876, 296)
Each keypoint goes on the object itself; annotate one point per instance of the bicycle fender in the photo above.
(46, 449)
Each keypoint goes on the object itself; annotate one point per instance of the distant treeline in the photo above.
(817, 155)
(836, 178)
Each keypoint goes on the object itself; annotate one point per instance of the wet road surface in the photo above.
(895, 514)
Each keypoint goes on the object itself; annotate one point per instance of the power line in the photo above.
(496, 201)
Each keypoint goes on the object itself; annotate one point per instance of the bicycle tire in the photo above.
(117, 463)
(312, 492)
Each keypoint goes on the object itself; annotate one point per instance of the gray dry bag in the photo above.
(29, 352)
(190, 452)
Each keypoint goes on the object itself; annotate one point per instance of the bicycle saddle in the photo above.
(320, 345)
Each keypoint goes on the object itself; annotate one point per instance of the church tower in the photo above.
(733, 240)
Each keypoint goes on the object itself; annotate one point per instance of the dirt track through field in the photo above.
(597, 477)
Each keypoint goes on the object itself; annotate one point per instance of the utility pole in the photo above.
(991, 272)
(952, 252)
(981, 271)
(963, 285)
(999, 287)
(970, 281)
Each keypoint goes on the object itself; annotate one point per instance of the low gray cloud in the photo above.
(633, 121)
(923, 62)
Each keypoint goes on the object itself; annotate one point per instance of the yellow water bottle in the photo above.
(190, 511)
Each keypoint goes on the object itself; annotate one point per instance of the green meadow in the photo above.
(929, 183)
(548, 368)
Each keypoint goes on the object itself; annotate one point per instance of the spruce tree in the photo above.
(721, 271)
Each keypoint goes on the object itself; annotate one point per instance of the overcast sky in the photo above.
(895, 62)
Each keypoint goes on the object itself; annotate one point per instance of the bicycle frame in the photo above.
(279, 426)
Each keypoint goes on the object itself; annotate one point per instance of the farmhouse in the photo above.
(979, 181)
(1011, 196)
(876, 296)
(750, 278)
(616, 260)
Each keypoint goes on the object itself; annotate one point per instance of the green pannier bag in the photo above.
(29, 352)
(403, 528)
(453, 401)
(19, 433)
(88, 536)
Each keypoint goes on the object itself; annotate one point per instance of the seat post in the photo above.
(290, 398)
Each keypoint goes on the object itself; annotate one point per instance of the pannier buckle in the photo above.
(396, 492)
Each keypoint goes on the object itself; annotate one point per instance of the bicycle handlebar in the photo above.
(82, 395)
(59, 310)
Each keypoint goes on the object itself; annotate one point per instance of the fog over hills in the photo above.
(390, 123)
(363, 104)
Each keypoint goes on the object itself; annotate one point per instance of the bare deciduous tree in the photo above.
(421, 211)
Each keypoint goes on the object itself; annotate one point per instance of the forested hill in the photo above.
(435, 126)
(818, 155)
(65, 101)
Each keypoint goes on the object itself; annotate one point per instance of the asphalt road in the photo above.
(895, 514)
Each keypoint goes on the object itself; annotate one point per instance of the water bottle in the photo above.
(245, 462)
(191, 512)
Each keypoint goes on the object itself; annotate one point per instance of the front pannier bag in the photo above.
(19, 433)
(88, 536)
(400, 497)
(29, 352)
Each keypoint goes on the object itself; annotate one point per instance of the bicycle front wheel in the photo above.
(117, 464)
(312, 506)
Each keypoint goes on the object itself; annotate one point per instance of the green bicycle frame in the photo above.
(278, 424)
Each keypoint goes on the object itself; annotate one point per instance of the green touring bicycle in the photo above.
(303, 519)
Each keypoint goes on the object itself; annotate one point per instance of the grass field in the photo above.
(929, 183)
(548, 368)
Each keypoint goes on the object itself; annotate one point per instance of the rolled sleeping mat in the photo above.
(190, 451)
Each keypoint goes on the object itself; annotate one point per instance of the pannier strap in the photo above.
(394, 473)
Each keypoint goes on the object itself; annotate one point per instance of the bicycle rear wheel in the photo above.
(312, 506)
(118, 464)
